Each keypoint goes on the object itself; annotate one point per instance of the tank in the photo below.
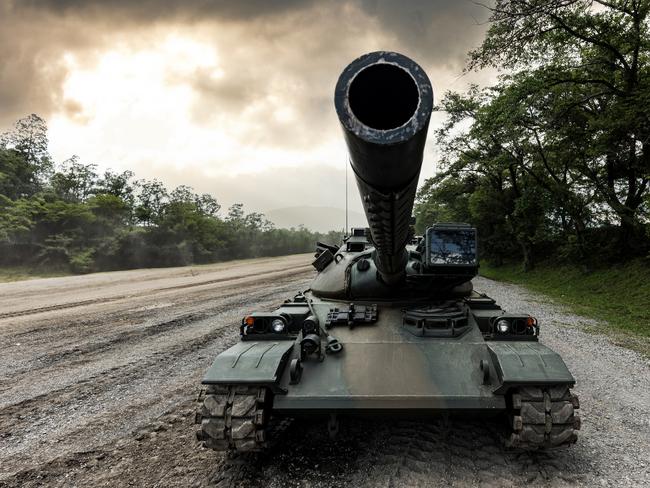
(391, 324)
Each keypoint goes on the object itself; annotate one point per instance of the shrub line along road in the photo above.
(98, 375)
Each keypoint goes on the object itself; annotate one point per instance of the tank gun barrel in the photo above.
(384, 102)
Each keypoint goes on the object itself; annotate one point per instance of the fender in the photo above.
(527, 363)
(251, 363)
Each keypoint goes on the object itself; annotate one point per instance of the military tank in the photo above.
(391, 324)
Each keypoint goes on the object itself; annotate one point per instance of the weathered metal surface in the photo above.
(384, 102)
(528, 363)
(384, 367)
(332, 281)
(250, 362)
(394, 376)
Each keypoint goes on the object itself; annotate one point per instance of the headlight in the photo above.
(277, 325)
(503, 326)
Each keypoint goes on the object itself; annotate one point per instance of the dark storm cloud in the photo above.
(432, 28)
(147, 10)
(411, 17)
(437, 31)
(35, 33)
(32, 69)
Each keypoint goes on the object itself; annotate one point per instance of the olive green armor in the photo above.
(391, 323)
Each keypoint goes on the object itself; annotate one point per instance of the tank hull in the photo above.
(386, 367)
(389, 368)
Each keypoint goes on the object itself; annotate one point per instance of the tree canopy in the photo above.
(554, 159)
(66, 215)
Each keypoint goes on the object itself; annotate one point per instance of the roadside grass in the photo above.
(19, 273)
(618, 295)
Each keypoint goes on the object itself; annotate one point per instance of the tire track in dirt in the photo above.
(85, 387)
(401, 453)
(77, 352)
(283, 271)
(147, 439)
(69, 332)
(99, 396)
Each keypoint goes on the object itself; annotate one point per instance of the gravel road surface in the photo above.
(98, 376)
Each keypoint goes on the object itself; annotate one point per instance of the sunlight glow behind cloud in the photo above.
(220, 97)
(137, 105)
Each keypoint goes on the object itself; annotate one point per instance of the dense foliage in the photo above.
(554, 160)
(67, 216)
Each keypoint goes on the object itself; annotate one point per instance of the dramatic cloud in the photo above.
(148, 10)
(214, 93)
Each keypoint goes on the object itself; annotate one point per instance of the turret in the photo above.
(384, 102)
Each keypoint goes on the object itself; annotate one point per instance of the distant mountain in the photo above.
(318, 219)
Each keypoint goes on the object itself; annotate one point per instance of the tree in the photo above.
(117, 184)
(150, 201)
(74, 181)
(207, 204)
(596, 54)
(74, 219)
(485, 182)
(558, 148)
(28, 138)
(236, 214)
(24, 160)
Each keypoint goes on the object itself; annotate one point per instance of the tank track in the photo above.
(543, 418)
(233, 418)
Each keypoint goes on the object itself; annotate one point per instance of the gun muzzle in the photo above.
(384, 102)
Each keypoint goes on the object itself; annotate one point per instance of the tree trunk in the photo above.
(527, 255)
(632, 240)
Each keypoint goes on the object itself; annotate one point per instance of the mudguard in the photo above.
(251, 363)
(527, 363)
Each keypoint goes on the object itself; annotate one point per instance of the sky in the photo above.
(234, 98)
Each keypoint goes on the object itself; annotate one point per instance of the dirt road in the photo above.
(98, 376)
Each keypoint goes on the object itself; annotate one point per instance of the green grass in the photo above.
(19, 273)
(618, 295)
